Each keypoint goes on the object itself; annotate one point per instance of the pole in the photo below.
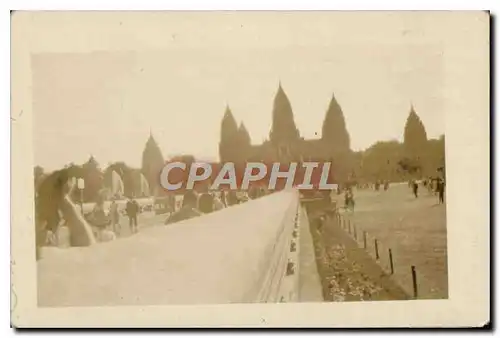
(376, 249)
(391, 262)
(355, 232)
(364, 239)
(414, 280)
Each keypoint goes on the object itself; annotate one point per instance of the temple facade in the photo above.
(285, 143)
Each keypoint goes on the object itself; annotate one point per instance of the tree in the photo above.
(381, 161)
(436, 155)
(93, 178)
(126, 175)
(185, 158)
(39, 175)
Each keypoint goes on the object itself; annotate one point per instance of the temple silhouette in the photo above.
(285, 142)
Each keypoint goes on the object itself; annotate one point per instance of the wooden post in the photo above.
(414, 280)
(364, 239)
(355, 232)
(376, 249)
(391, 262)
(349, 225)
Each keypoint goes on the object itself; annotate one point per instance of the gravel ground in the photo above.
(415, 230)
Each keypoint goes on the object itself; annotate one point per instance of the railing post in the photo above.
(364, 239)
(391, 262)
(376, 249)
(290, 268)
(414, 281)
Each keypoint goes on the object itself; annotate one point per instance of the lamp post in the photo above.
(81, 186)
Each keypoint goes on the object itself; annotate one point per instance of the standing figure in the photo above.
(430, 181)
(349, 200)
(440, 189)
(172, 202)
(132, 209)
(223, 198)
(115, 217)
(415, 188)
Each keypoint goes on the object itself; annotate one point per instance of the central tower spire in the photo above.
(283, 128)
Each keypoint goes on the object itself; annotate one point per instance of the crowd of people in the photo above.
(199, 203)
(55, 209)
(434, 185)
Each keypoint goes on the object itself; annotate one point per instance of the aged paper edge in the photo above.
(465, 39)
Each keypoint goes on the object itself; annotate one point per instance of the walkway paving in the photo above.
(214, 259)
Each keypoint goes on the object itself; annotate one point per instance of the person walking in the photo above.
(415, 188)
(132, 210)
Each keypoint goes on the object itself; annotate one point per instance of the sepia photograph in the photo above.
(236, 158)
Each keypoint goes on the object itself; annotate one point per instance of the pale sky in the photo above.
(104, 103)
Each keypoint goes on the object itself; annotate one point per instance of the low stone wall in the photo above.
(240, 254)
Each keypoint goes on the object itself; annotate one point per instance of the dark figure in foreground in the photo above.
(440, 190)
(415, 188)
(115, 217)
(54, 200)
(349, 200)
(223, 198)
(188, 210)
(132, 209)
